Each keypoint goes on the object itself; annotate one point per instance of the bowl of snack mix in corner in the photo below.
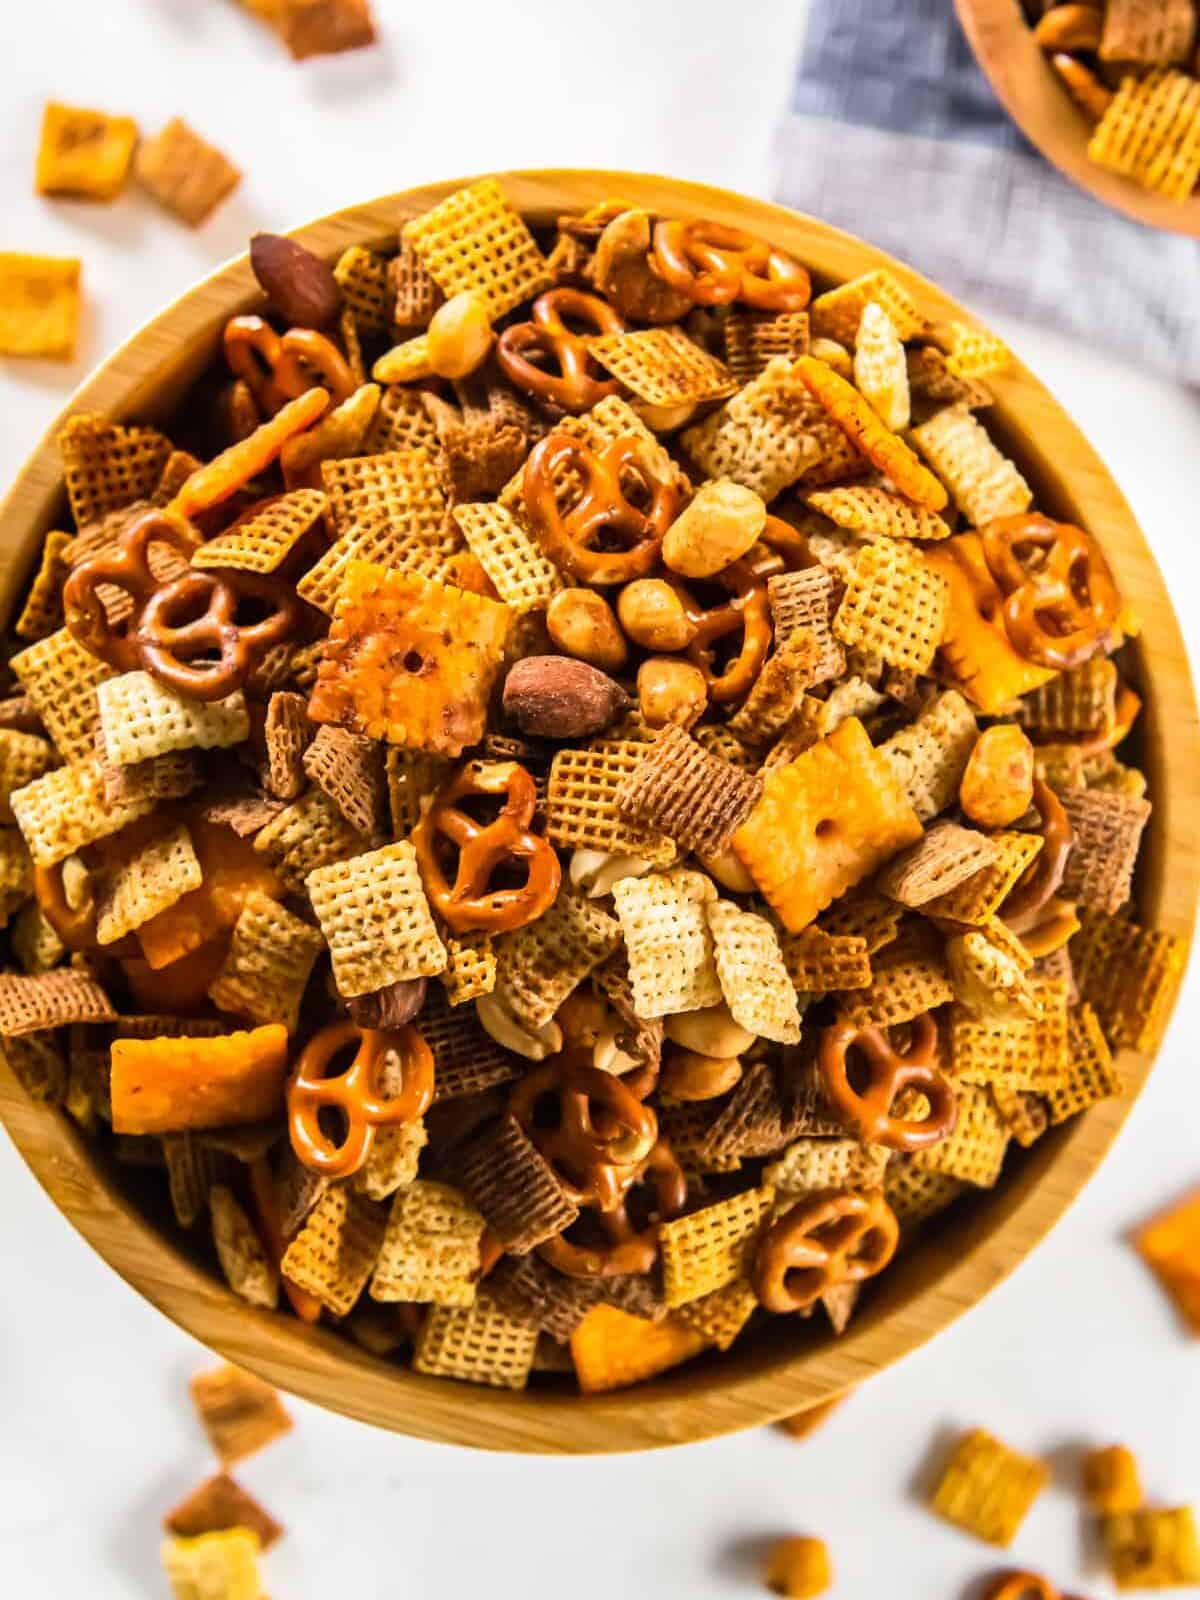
(591, 856)
(1108, 90)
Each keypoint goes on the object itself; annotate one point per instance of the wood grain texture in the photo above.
(1031, 91)
(793, 1365)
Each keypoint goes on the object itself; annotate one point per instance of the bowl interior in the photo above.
(791, 1365)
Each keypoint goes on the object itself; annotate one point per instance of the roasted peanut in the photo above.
(1070, 27)
(652, 614)
(686, 1075)
(720, 524)
(710, 1032)
(671, 691)
(496, 1020)
(799, 1568)
(459, 336)
(729, 871)
(581, 623)
(834, 355)
(595, 871)
(997, 786)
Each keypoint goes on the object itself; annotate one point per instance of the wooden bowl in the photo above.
(791, 1366)
(1030, 89)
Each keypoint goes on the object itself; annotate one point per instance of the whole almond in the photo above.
(300, 286)
(390, 1007)
(557, 697)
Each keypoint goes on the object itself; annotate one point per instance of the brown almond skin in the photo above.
(299, 285)
(392, 1007)
(557, 697)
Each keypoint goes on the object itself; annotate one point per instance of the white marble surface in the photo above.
(97, 1438)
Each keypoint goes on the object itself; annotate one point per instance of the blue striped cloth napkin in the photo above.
(894, 133)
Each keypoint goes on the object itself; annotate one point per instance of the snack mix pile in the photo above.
(582, 844)
(1132, 68)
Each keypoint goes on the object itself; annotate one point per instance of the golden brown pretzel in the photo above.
(469, 904)
(824, 1240)
(74, 925)
(747, 611)
(1061, 604)
(354, 1093)
(868, 1108)
(126, 568)
(191, 620)
(277, 367)
(626, 1247)
(526, 348)
(1023, 908)
(714, 264)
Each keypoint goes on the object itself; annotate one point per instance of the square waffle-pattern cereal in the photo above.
(663, 918)
(186, 175)
(930, 755)
(716, 738)
(474, 239)
(985, 484)
(466, 1059)
(349, 769)
(987, 1488)
(973, 352)
(66, 809)
(523, 578)
(812, 1164)
(720, 1316)
(978, 898)
(308, 834)
(161, 872)
(402, 422)
(240, 1252)
(60, 677)
(824, 822)
(947, 856)
(877, 513)
(394, 1156)
(822, 963)
(539, 965)
(1079, 700)
(376, 919)
(430, 1252)
(1023, 1114)
(335, 1251)
(894, 606)
(880, 367)
(933, 386)
(708, 1249)
(263, 539)
(266, 970)
(1151, 133)
(1091, 1074)
(42, 612)
(756, 1120)
(778, 692)
(470, 967)
(613, 1349)
(527, 1288)
(107, 465)
(415, 295)
(916, 1194)
(410, 661)
(762, 438)
(35, 943)
(1029, 1053)
(1153, 1547)
(142, 718)
(515, 1190)
(807, 599)
(679, 789)
(362, 276)
(581, 802)
(412, 776)
(23, 757)
(50, 1000)
(16, 872)
(974, 1151)
(753, 976)
(39, 305)
(239, 1412)
(83, 154)
(1153, 33)
(1128, 974)
(869, 434)
(908, 978)
(222, 1565)
(1107, 826)
(217, 1505)
(286, 734)
(753, 338)
(663, 367)
(477, 1344)
(837, 313)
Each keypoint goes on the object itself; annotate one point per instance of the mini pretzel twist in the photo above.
(527, 350)
(867, 1109)
(824, 1240)
(74, 925)
(747, 612)
(469, 904)
(587, 1125)
(714, 264)
(1060, 601)
(354, 1093)
(626, 1247)
(602, 510)
(126, 568)
(1023, 908)
(277, 367)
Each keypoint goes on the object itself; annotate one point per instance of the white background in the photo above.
(96, 1439)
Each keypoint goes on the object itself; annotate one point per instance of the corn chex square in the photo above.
(523, 577)
(752, 973)
(161, 872)
(476, 1344)
(930, 755)
(430, 1251)
(872, 512)
(663, 917)
(708, 1249)
(23, 757)
(581, 802)
(894, 606)
(42, 612)
(1153, 1547)
(1151, 132)
(837, 313)
(266, 970)
(811, 1164)
(67, 808)
(663, 367)
(39, 305)
(335, 1251)
(362, 276)
(61, 677)
(1091, 1074)
(264, 537)
(308, 834)
(988, 1488)
(1128, 974)
(108, 465)
(142, 718)
(474, 239)
(376, 919)
(974, 1150)
(762, 438)
(752, 338)
(1029, 1053)
(985, 484)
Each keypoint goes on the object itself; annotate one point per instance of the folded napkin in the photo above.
(894, 133)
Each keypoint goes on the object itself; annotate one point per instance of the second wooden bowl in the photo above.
(792, 1366)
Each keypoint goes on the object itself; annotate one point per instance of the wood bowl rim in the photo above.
(1029, 89)
(722, 1393)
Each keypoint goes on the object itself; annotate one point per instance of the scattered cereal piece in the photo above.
(184, 174)
(239, 1412)
(39, 305)
(1111, 1480)
(1169, 1246)
(84, 155)
(271, 956)
(894, 606)
(323, 27)
(142, 718)
(837, 313)
(670, 948)
(1152, 1548)
(214, 1566)
(753, 976)
(800, 1568)
(987, 1489)
(218, 1504)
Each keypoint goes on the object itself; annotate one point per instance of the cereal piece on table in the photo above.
(323, 27)
(158, 875)
(480, 1343)
(885, 450)
(430, 1249)
(812, 1164)
(1111, 1480)
(894, 606)
(241, 1253)
(612, 1349)
(807, 599)
(42, 612)
(908, 977)
(362, 276)
(349, 769)
(107, 465)
(539, 965)
(239, 1412)
(83, 155)
(23, 757)
(218, 1504)
(270, 959)
(1128, 974)
(533, 1292)
(376, 919)
(946, 856)
(823, 963)
(286, 733)
(474, 239)
(39, 305)
(679, 789)
(142, 718)
(752, 973)
(1018, 1053)
(984, 483)
(1108, 832)
(753, 338)
(974, 1150)
(186, 175)
(824, 822)
(987, 1488)
(516, 1191)
(50, 1000)
(308, 834)
(708, 1249)
(263, 539)
(523, 578)
(916, 1194)
(837, 313)
(670, 948)
(1079, 700)
(214, 1566)
(165, 1085)
(581, 802)
(1151, 32)
(1169, 1245)
(335, 1251)
(877, 513)
(663, 367)
(1152, 1548)
(1091, 1074)
(762, 438)
(880, 367)
(410, 661)
(799, 1568)
(777, 693)
(66, 809)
